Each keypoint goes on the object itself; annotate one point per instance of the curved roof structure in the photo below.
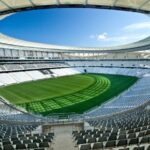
(12, 6)
(9, 6)
(12, 43)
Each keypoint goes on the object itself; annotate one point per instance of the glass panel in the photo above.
(69, 2)
(1, 52)
(21, 53)
(45, 2)
(129, 3)
(15, 53)
(146, 6)
(100, 2)
(3, 7)
(18, 3)
(8, 52)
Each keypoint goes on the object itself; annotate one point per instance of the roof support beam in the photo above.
(58, 2)
(32, 3)
(143, 4)
(6, 4)
(114, 2)
(86, 2)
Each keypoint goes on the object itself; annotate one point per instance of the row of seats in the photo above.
(7, 131)
(31, 146)
(25, 76)
(27, 141)
(113, 70)
(100, 146)
(109, 136)
(16, 67)
(121, 140)
(111, 63)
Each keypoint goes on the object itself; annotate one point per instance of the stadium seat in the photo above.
(139, 148)
(133, 141)
(122, 142)
(43, 144)
(81, 141)
(97, 145)
(8, 147)
(32, 146)
(20, 146)
(110, 144)
(85, 147)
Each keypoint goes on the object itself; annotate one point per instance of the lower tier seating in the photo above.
(128, 130)
(19, 137)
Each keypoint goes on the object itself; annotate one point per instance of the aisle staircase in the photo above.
(63, 139)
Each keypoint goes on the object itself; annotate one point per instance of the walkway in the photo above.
(63, 138)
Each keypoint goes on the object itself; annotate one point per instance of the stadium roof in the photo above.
(12, 6)
(12, 43)
(9, 6)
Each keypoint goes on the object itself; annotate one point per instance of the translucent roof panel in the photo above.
(45, 2)
(101, 2)
(74, 2)
(146, 6)
(7, 6)
(129, 3)
(17, 3)
(3, 6)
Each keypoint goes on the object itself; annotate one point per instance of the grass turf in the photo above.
(76, 93)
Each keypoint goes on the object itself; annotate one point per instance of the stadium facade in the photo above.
(122, 122)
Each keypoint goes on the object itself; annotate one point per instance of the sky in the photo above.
(77, 27)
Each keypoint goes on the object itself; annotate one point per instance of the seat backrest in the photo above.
(32, 145)
(8, 147)
(91, 140)
(122, 142)
(85, 146)
(81, 141)
(139, 148)
(20, 146)
(44, 144)
(98, 145)
(110, 144)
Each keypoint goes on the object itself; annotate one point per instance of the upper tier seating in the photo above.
(6, 79)
(64, 72)
(35, 75)
(21, 76)
(111, 63)
(112, 70)
(16, 67)
(24, 76)
(13, 67)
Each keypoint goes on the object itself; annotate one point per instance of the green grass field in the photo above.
(76, 93)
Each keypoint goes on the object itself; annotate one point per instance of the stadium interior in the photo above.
(83, 117)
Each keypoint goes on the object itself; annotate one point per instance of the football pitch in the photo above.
(68, 94)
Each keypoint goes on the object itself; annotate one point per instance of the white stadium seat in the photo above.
(20, 76)
(6, 79)
(35, 75)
